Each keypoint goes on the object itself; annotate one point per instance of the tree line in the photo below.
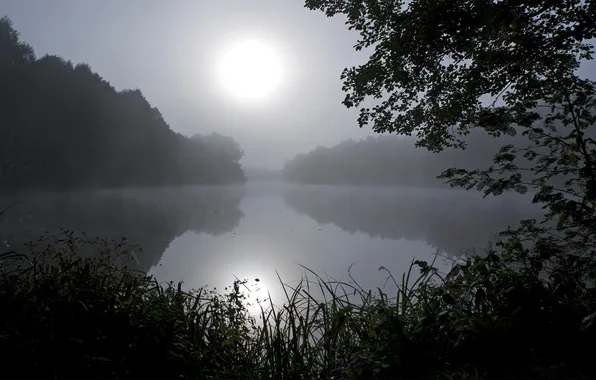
(385, 160)
(391, 160)
(64, 127)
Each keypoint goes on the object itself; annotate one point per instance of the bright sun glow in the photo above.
(257, 297)
(250, 70)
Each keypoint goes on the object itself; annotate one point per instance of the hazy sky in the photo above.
(169, 49)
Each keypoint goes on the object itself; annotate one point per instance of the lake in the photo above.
(212, 235)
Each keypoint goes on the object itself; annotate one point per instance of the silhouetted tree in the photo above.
(434, 65)
(65, 127)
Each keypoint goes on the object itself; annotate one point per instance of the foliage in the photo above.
(435, 59)
(440, 70)
(65, 127)
(69, 316)
(445, 68)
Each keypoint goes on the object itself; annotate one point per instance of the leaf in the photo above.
(480, 296)
(448, 299)
(506, 148)
(127, 302)
(588, 321)
(471, 185)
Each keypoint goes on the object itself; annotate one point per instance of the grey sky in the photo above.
(168, 49)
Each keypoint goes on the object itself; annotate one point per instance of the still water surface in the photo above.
(211, 235)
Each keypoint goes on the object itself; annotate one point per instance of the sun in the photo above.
(250, 70)
(257, 297)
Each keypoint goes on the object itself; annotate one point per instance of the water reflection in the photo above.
(151, 219)
(451, 220)
(207, 236)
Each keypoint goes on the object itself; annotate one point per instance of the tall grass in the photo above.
(63, 315)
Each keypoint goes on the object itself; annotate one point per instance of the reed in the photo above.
(66, 315)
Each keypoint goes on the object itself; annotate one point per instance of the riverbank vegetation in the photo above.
(66, 316)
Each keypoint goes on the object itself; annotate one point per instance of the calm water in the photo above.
(210, 235)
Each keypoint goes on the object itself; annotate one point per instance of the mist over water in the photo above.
(210, 235)
(68, 131)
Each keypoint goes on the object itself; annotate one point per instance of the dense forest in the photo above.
(64, 127)
(386, 160)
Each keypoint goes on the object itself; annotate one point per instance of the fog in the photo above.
(169, 51)
(207, 235)
(116, 123)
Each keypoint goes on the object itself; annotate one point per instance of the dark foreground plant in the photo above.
(493, 316)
